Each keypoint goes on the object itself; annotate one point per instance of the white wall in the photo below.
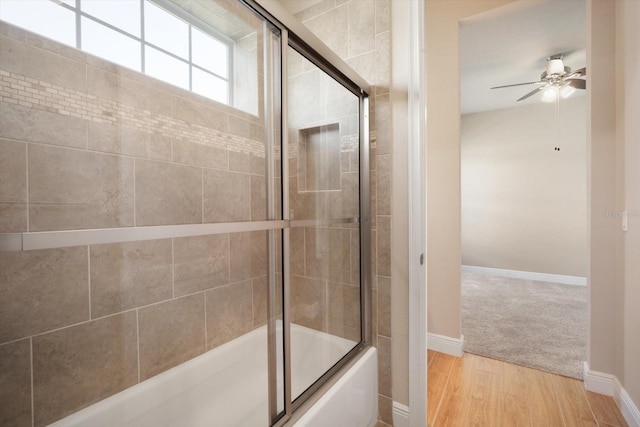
(523, 203)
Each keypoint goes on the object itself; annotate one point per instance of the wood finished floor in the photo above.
(478, 391)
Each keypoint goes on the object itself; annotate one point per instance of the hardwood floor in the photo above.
(478, 391)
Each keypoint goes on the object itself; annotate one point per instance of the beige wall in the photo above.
(630, 12)
(443, 160)
(399, 202)
(523, 203)
(613, 289)
(614, 41)
(603, 192)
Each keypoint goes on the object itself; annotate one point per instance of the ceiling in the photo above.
(511, 45)
(296, 6)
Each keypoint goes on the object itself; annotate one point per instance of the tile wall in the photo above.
(323, 184)
(359, 32)
(87, 144)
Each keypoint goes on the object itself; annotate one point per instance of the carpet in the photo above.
(535, 324)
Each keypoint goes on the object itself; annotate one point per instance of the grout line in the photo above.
(128, 156)
(173, 270)
(89, 277)
(252, 305)
(27, 182)
(229, 257)
(326, 306)
(104, 317)
(349, 27)
(134, 192)
(138, 341)
(86, 136)
(202, 194)
(206, 330)
(33, 409)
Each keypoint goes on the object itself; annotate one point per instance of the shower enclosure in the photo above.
(184, 213)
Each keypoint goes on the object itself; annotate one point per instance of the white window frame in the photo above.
(176, 11)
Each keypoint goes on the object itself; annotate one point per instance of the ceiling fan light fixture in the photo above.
(566, 91)
(550, 94)
(555, 66)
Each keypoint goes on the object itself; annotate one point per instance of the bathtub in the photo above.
(227, 387)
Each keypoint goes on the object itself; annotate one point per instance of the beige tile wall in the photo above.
(15, 383)
(86, 144)
(42, 290)
(76, 366)
(200, 263)
(171, 332)
(324, 183)
(125, 276)
(102, 146)
(79, 313)
(359, 31)
(131, 127)
(13, 186)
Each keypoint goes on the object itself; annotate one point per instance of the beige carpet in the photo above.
(536, 324)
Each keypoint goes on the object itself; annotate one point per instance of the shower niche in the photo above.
(319, 158)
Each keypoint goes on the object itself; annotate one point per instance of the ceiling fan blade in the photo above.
(517, 84)
(576, 83)
(578, 73)
(582, 71)
(533, 92)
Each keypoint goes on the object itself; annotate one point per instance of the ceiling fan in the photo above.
(557, 79)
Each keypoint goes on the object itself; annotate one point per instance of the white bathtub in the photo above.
(227, 387)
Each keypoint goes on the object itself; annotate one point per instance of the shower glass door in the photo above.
(184, 235)
(140, 214)
(324, 210)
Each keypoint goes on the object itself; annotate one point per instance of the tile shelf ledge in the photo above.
(16, 242)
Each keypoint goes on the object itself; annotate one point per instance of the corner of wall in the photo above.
(609, 385)
(400, 415)
(447, 345)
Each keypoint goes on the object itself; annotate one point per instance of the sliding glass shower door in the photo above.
(184, 232)
(324, 209)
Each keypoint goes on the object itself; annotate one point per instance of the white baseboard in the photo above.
(400, 415)
(598, 382)
(527, 275)
(609, 385)
(628, 408)
(444, 344)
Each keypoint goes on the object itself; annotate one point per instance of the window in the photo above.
(153, 37)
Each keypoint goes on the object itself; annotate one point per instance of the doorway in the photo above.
(524, 186)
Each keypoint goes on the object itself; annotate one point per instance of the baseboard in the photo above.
(609, 385)
(444, 344)
(598, 382)
(629, 410)
(400, 415)
(527, 275)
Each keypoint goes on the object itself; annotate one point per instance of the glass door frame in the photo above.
(293, 34)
